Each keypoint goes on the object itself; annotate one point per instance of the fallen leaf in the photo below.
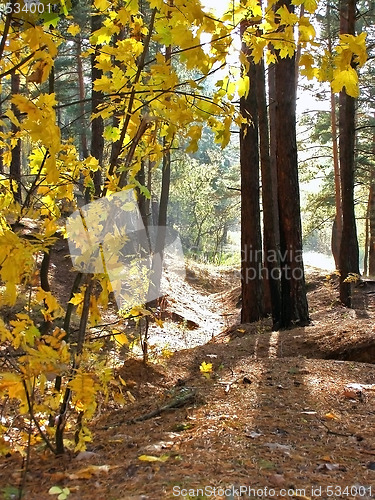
(331, 416)
(150, 458)
(157, 447)
(350, 393)
(85, 455)
(92, 470)
(277, 479)
(280, 447)
(130, 396)
(330, 467)
(58, 477)
(253, 435)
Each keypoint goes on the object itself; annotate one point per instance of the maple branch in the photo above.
(134, 143)
(197, 46)
(33, 418)
(21, 63)
(5, 33)
(34, 184)
(118, 146)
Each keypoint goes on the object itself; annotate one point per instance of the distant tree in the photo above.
(349, 253)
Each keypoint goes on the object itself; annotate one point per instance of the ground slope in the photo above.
(267, 414)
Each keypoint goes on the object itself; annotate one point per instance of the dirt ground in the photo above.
(275, 416)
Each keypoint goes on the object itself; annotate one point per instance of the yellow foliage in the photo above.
(84, 389)
(205, 368)
(347, 78)
(176, 109)
(73, 29)
(53, 309)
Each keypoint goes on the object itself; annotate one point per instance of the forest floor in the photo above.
(277, 416)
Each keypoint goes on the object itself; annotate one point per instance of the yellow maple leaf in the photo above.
(286, 17)
(95, 315)
(84, 389)
(77, 298)
(357, 45)
(307, 61)
(121, 338)
(101, 5)
(11, 383)
(310, 5)
(205, 367)
(23, 104)
(73, 29)
(347, 78)
(195, 133)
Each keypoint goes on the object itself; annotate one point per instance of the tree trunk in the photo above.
(141, 199)
(97, 125)
(148, 201)
(371, 220)
(371, 238)
(337, 225)
(15, 165)
(81, 87)
(251, 242)
(349, 253)
(294, 307)
(271, 240)
(157, 263)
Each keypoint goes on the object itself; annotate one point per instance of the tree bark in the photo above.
(251, 242)
(371, 220)
(271, 237)
(337, 225)
(15, 165)
(349, 253)
(97, 124)
(371, 238)
(157, 263)
(294, 307)
(81, 87)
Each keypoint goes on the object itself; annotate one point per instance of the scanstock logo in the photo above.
(108, 236)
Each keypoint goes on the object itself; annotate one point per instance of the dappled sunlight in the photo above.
(274, 340)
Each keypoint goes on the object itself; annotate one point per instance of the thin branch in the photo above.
(32, 416)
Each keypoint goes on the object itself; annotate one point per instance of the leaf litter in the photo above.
(260, 382)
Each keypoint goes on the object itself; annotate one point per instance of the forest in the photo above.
(187, 249)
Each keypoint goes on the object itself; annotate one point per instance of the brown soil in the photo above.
(275, 412)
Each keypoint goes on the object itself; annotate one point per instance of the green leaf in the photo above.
(55, 490)
(111, 133)
(146, 193)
